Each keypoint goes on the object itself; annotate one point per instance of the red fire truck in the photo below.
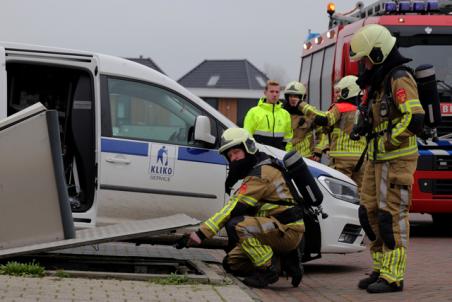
(424, 34)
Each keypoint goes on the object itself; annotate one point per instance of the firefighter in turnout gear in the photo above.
(268, 122)
(308, 140)
(339, 119)
(261, 217)
(395, 115)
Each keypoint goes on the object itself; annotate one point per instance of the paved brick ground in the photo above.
(334, 277)
(48, 289)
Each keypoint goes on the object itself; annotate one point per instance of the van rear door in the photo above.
(66, 81)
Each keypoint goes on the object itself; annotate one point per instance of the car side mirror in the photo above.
(203, 130)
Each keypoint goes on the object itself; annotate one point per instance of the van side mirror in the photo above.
(203, 130)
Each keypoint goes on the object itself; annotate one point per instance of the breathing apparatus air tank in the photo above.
(299, 172)
(428, 94)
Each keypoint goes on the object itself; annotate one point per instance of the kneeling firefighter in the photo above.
(395, 116)
(261, 217)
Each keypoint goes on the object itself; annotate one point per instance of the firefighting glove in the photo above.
(182, 242)
(317, 156)
(190, 239)
(301, 121)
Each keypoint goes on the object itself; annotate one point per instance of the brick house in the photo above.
(230, 86)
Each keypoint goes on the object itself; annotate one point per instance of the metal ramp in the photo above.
(116, 232)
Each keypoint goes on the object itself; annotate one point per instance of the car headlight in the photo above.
(340, 189)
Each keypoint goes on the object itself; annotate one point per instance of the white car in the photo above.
(138, 145)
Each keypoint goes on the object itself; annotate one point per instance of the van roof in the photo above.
(120, 67)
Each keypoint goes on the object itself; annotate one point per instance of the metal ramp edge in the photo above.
(109, 233)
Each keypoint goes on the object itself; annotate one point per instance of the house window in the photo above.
(261, 81)
(213, 80)
(212, 102)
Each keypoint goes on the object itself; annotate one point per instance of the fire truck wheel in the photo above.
(443, 222)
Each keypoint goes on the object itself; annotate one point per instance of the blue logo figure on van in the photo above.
(160, 154)
(162, 159)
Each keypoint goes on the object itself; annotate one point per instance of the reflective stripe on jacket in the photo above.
(307, 138)
(265, 183)
(400, 141)
(340, 117)
(270, 125)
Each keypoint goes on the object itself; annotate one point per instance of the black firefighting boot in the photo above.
(291, 266)
(262, 277)
(226, 266)
(236, 272)
(383, 286)
(364, 283)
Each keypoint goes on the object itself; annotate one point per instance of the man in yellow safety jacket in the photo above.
(268, 122)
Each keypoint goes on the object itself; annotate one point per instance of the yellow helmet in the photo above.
(373, 41)
(235, 137)
(348, 87)
(295, 88)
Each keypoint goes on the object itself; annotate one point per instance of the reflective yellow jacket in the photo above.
(270, 125)
(265, 183)
(405, 110)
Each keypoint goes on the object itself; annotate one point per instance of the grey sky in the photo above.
(176, 34)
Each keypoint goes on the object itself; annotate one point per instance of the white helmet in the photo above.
(348, 87)
(295, 88)
(373, 41)
(235, 137)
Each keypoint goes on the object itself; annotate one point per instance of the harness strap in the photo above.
(293, 190)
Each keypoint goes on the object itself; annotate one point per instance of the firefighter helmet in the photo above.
(373, 41)
(295, 88)
(237, 137)
(348, 87)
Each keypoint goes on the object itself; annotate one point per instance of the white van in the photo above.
(138, 145)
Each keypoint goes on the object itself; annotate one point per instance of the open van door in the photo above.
(65, 81)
